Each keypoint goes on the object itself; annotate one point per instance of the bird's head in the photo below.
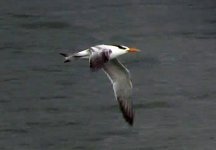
(127, 49)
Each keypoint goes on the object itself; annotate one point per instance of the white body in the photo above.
(98, 48)
(115, 50)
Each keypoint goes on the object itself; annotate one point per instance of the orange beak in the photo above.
(133, 50)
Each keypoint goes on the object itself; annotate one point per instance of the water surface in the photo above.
(46, 104)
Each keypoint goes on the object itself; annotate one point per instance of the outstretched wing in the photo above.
(122, 86)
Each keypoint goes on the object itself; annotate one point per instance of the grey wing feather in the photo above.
(122, 86)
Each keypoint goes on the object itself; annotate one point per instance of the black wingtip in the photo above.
(127, 111)
(66, 61)
(129, 120)
(63, 54)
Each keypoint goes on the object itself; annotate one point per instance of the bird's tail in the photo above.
(68, 57)
(79, 55)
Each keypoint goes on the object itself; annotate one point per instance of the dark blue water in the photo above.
(48, 105)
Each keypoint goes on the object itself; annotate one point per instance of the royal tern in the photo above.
(105, 57)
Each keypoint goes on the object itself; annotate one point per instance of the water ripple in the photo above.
(45, 25)
(196, 35)
(153, 105)
(12, 130)
(23, 15)
(52, 124)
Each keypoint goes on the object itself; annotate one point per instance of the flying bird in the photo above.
(105, 57)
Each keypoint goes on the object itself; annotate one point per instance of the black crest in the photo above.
(120, 46)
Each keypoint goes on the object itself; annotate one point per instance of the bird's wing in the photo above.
(98, 58)
(122, 86)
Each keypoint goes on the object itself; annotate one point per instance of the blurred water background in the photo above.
(48, 105)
